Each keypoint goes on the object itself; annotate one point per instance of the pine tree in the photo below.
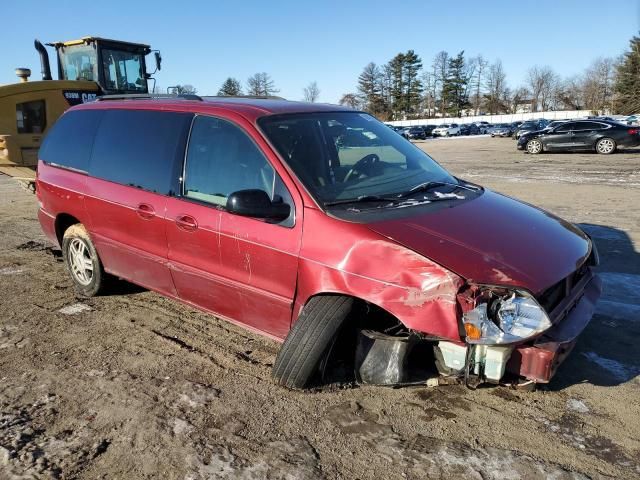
(412, 83)
(627, 86)
(369, 90)
(455, 86)
(231, 87)
(260, 84)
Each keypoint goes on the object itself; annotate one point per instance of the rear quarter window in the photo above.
(140, 148)
(69, 141)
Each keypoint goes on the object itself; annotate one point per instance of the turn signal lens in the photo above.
(473, 332)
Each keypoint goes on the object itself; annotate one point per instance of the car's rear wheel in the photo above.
(309, 339)
(606, 146)
(82, 261)
(534, 146)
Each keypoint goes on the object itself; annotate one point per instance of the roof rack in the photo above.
(254, 97)
(148, 96)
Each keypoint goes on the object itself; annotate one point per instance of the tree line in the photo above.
(457, 85)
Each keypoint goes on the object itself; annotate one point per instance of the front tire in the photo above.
(309, 339)
(534, 146)
(606, 146)
(82, 261)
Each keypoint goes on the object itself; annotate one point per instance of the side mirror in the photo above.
(158, 60)
(257, 204)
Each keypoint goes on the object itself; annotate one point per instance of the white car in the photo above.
(446, 130)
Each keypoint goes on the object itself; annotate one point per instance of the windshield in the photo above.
(349, 155)
(123, 71)
(79, 62)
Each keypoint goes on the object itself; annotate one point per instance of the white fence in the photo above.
(551, 115)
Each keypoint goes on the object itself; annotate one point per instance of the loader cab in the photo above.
(117, 67)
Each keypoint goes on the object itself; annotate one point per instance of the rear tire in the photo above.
(82, 261)
(606, 146)
(309, 339)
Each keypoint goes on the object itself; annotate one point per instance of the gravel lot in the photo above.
(132, 385)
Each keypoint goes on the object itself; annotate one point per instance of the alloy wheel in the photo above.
(605, 146)
(534, 146)
(80, 262)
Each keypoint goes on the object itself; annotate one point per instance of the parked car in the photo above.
(469, 129)
(632, 119)
(428, 130)
(416, 133)
(446, 130)
(402, 131)
(501, 130)
(530, 126)
(603, 136)
(203, 201)
(483, 127)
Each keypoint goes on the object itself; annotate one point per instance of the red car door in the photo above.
(242, 268)
(131, 173)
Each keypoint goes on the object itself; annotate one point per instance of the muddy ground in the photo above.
(132, 385)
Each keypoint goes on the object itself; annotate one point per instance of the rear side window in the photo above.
(589, 126)
(69, 142)
(140, 148)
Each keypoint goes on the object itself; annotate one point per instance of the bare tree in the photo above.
(597, 85)
(497, 90)
(350, 100)
(261, 85)
(439, 65)
(519, 97)
(543, 85)
(569, 93)
(311, 92)
(185, 89)
(476, 82)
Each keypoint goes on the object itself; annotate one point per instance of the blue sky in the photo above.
(296, 42)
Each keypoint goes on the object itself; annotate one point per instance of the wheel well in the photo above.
(338, 363)
(64, 221)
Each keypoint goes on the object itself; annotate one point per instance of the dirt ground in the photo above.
(132, 385)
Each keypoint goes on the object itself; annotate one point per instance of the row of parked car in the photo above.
(514, 129)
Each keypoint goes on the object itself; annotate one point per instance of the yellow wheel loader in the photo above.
(87, 68)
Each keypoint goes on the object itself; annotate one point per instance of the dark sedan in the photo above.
(416, 133)
(602, 136)
(530, 126)
(469, 129)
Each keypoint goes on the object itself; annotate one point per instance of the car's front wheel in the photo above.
(534, 146)
(309, 339)
(82, 261)
(606, 146)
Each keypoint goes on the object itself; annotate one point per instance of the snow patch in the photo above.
(619, 370)
(577, 406)
(11, 270)
(75, 309)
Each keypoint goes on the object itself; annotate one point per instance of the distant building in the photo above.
(524, 106)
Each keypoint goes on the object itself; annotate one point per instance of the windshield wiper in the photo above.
(426, 186)
(361, 199)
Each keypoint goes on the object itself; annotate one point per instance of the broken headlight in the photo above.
(503, 316)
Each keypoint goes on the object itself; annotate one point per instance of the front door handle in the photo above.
(146, 211)
(187, 223)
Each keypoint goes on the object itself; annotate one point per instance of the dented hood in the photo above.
(494, 239)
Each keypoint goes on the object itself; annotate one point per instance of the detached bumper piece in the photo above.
(539, 362)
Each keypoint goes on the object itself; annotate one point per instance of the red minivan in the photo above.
(318, 226)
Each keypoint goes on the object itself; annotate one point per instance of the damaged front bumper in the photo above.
(539, 362)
